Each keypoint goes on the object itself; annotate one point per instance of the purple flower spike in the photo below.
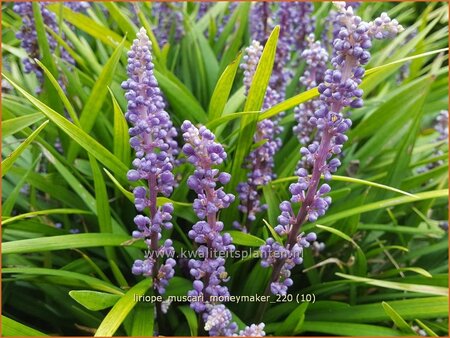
(169, 21)
(152, 137)
(209, 272)
(296, 23)
(218, 321)
(316, 58)
(251, 60)
(77, 6)
(338, 90)
(204, 153)
(28, 35)
(253, 331)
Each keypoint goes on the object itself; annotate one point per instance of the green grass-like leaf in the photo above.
(120, 310)
(9, 161)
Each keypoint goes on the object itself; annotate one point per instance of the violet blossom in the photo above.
(152, 138)
(209, 272)
(169, 16)
(316, 58)
(296, 23)
(339, 90)
(28, 35)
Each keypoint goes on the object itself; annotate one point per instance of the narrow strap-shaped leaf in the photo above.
(63, 242)
(62, 211)
(94, 104)
(94, 300)
(121, 137)
(222, 90)
(87, 281)
(8, 204)
(88, 25)
(12, 328)
(397, 319)
(77, 134)
(9, 161)
(191, 318)
(241, 238)
(14, 125)
(383, 204)
(122, 308)
(432, 290)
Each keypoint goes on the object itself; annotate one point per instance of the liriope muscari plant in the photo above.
(339, 90)
(208, 270)
(29, 39)
(296, 23)
(260, 161)
(153, 139)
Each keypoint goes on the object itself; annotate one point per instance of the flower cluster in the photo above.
(204, 153)
(77, 6)
(250, 63)
(169, 21)
(218, 321)
(260, 160)
(316, 58)
(260, 18)
(28, 34)
(272, 252)
(332, 27)
(296, 23)
(339, 89)
(152, 137)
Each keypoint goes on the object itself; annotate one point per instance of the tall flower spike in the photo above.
(260, 160)
(28, 35)
(203, 152)
(338, 90)
(209, 272)
(152, 137)
(296, 23)
(260, 26)
(169, 21)
(316, 58)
